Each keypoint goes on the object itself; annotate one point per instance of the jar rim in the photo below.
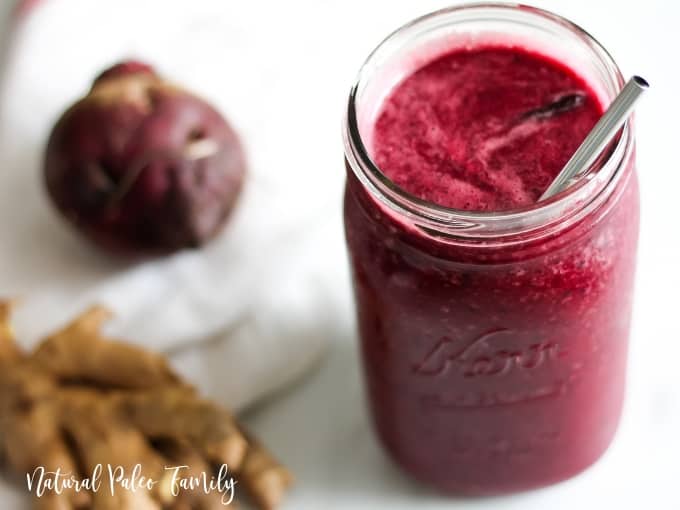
(588, 192)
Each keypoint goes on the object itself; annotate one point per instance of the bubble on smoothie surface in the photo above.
(485, 129)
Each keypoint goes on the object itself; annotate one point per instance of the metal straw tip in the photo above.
(639, 80)
(598, 138)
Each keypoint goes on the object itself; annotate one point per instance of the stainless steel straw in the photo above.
(600, 136)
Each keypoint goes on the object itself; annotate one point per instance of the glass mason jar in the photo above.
(494, 344)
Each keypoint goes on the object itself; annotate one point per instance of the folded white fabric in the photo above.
(247, 314)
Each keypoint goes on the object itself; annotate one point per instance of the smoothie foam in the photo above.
(485, 129)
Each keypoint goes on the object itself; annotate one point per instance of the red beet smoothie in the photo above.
(491, 369)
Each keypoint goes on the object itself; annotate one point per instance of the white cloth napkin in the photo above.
(246, 315)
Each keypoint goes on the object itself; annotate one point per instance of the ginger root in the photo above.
(265, 479)
(210, 429)
(80, 353)
(181, 453)
(81, 400)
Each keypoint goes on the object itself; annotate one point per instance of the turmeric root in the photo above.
(82, 402)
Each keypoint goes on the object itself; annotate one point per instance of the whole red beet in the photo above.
(142, 166)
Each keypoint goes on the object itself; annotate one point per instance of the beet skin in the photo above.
(141, 166)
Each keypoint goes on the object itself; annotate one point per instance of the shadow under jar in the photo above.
(494, 343)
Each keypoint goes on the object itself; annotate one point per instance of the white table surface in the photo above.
(321, 428)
